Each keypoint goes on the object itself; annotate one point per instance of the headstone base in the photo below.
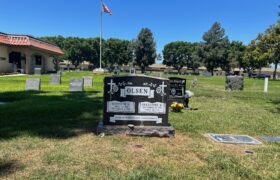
(150, 131)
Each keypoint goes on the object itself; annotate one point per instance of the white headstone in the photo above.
(88, 81)
(55, 79)
(37, 71)
(33, 84)
(77, 85)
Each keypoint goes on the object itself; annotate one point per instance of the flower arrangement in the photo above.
(177, 107)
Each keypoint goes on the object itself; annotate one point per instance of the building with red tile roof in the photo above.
(24, 53)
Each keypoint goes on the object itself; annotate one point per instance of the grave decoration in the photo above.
(234, 83)
(177, 107)
(33, 84)
(136, 105)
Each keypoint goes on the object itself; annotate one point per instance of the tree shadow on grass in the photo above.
(8, 167)
(49, 116)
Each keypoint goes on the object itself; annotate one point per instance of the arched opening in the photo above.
(18, 60)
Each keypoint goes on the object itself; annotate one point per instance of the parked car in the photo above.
(259, 75)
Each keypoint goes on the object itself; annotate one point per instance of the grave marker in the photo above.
(88, 81)
(207, 74)
(136, 102)
(234, 83)
(116, 69)
(234, 139)
(271, 138)
(132, 71)
(37, 71)
(55, 79)
(33, 84)
(77, 85)
(177, 90)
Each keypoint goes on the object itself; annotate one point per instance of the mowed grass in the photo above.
(51, 134)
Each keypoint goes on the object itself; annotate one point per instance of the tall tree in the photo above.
(159, 57)
(270, 46)
(178, 54)
(196, 57)
(214, 49)
(253, 56)
(94, 44)
(117, 52)
(145, 49)
(236, 54)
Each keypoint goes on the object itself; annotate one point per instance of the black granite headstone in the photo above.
(137, 101)
(33, 84)
(234, 83)
(177, 89)
(55, 79)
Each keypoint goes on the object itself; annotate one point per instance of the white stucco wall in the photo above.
(49, 64)
(5, 66)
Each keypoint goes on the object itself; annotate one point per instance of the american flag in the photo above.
(106, 9)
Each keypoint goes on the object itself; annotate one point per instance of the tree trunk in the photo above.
(275, 71)
(179, 70)
(56, 64)
(142, 70)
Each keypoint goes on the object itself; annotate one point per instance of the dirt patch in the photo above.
(8, 167)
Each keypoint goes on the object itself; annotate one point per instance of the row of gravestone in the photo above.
(138, 105)
(75, 85)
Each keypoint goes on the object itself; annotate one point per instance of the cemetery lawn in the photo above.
(50, 135)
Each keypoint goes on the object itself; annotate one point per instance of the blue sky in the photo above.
(170, 20)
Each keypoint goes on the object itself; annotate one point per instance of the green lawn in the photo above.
(50, 135)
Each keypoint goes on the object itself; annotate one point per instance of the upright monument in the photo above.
(136, 105)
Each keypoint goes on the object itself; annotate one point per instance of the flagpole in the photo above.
(100, 60)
